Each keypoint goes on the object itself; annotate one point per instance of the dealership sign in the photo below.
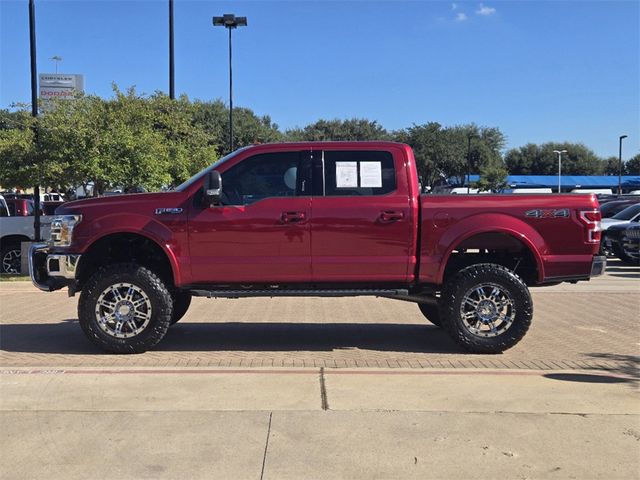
(60, 85)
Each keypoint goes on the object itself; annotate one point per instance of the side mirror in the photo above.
(212, 188)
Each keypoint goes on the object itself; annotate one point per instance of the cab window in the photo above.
(262, 176)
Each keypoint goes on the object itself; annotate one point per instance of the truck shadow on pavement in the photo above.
(67, 338)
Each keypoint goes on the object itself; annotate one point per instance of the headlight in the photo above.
(62, 229)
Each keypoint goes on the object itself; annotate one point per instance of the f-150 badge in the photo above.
(160, 211)
(540, 213)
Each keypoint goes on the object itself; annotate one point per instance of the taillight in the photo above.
(591, 218)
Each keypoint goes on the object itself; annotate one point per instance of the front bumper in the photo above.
(51, 271)
(598, 265)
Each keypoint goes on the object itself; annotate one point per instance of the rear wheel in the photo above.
(125, 308)
(431, 312)
(486, 308)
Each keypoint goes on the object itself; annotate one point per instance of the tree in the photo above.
(443, 153)
(129, 140)
(248, 128)
(493, 176)
(18, 156)
(534, 159)
(339, 130)
(633, 165)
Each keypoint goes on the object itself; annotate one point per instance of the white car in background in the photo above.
(13, 231)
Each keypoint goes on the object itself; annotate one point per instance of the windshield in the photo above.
(628, 213)
(183, 186)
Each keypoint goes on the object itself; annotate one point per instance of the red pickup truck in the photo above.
(327, 219)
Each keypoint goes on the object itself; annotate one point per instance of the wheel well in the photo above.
(494, 247)
(11, 239)
(124, 247)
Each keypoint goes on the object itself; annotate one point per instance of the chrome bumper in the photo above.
(51, 271)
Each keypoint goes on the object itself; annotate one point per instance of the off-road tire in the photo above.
(11, 249)
(431, 312)
(181, 302)
(452, 297)
(152, 285)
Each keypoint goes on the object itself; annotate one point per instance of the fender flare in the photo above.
(492, 223)
(136, 225)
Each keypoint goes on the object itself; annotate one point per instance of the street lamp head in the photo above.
(559, 151)
(229, 20)
(622, 136)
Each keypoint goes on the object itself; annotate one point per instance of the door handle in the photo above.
(390, 216)
(293, 217)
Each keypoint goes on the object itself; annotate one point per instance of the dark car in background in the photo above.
(630, 244)
(611, 243)
(614, 207)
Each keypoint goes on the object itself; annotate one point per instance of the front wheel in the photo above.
(486, 308)
(125, 308)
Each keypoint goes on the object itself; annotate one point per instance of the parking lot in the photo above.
(592, 325)
(325, 388)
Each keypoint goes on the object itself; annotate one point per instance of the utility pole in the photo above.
(172, 83)
(622, 137)
(34, 113)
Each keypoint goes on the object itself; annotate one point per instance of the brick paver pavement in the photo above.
(592, 325)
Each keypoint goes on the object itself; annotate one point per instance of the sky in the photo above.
(539, 70)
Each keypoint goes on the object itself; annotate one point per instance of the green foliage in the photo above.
(248, 128)
(18, 161)
(534, 159)
(126, 141)
(443, 152)
(632, 166)
(154, 142)
(339, 130)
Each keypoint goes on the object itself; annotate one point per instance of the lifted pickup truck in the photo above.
(326, 219)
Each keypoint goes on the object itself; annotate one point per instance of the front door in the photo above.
(261, 232)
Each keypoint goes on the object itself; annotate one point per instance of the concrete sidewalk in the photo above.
(313, 423)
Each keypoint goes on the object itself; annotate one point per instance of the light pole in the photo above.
(559, 152)
(620, 165)
(230, 21)
(56, 59)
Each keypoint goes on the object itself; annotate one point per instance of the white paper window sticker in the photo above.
(346, 174)
(371, 174)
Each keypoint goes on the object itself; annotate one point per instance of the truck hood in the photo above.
(118, 202)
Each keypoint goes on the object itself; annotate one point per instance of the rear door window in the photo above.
(358, 173)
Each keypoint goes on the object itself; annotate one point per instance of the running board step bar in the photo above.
(299, 293)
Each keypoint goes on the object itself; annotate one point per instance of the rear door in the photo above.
(361, 220)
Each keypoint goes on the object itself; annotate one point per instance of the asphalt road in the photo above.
(324, 388)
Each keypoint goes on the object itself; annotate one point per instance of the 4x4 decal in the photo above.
(540, 213)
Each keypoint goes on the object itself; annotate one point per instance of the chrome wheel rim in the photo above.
(11, 262)
(123, 310)
(487, 310)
